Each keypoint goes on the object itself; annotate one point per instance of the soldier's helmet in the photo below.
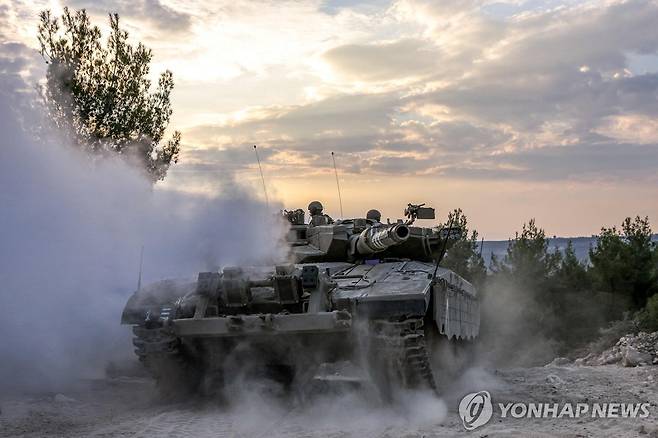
(315, 208)
(374, 215)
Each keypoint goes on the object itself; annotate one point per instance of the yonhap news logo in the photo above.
(477, 408)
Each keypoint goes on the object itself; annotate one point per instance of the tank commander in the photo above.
(317, 217)
(374, 215)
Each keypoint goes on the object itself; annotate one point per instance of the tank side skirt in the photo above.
(456, 314)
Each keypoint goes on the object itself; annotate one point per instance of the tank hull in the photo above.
(355, 290)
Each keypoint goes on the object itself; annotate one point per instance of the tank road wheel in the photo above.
(399, 356)
(167, 361)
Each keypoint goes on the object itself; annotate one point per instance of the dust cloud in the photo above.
(71, 230)
(509, 335)
(258, 409)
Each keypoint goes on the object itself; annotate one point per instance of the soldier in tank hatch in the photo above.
(374, 215)
(317, 217)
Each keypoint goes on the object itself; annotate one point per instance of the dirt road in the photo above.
(128, 407)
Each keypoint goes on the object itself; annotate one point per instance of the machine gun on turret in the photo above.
(418, 211)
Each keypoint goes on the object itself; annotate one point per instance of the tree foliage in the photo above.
(571, 274)
(537, 298)
(568, 301)
(528, 259)
(624, 261)
(518, 314)
(101, 94)
(464, 257)
(648, 317)
(580, 311)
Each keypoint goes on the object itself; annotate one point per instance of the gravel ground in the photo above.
(128, 407)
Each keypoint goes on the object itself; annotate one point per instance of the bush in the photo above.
(611, 334)
(648, 317)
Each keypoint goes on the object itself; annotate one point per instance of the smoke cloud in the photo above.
(71, 229)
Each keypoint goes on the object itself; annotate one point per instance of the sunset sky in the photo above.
(507, 109)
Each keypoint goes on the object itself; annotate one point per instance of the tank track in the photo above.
(400, 348)
(162, 354)
(155, 343)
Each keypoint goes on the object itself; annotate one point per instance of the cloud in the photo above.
(164, 18)
(405, 58)
(323, 122)
(539, 91)
(630, 128)
(583, 162)
(555, 80)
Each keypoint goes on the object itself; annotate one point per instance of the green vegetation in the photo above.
(550, 296)
(648, 317)
(464, 257)
(101, 95)
(624, 262)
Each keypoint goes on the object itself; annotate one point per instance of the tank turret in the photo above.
(322, 239)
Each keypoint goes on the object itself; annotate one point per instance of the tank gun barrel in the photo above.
(379, 238)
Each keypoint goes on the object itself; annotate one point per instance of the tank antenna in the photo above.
(267, 201)
(340, 199)
(444, 249)
(141, 263)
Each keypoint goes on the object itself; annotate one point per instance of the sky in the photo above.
(510, 110)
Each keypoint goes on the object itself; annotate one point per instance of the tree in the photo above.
(101, 95)
(571, 275)
(624, 262)
(517, 308)
(537, 299)
(580, 311)
(463, 256)
(528, 259)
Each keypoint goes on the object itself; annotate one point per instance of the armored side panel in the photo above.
(456, 307)
(395, 289)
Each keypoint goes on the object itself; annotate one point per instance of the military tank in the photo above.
(356, 294)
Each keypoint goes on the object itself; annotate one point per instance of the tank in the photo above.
(357, 300)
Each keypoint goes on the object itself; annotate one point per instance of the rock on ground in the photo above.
(630, 351)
